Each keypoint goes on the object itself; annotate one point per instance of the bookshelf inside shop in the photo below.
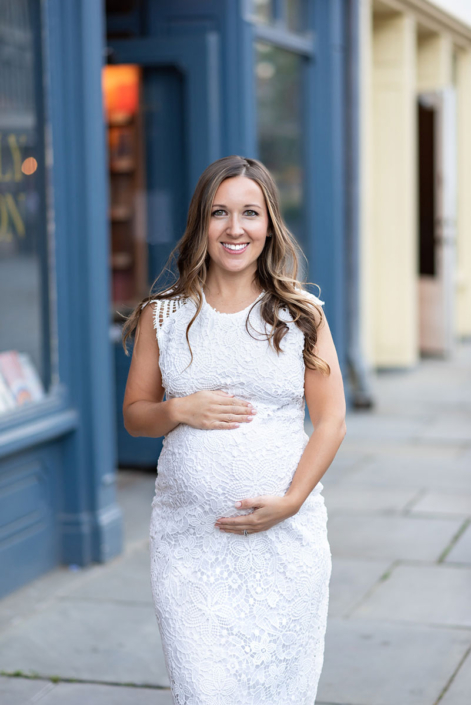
(128, 255)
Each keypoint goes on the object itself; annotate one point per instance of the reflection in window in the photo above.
(295, 20)
(279, 125)
(263, 10)
(24, 347)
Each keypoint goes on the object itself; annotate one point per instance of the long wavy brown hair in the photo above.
(277, 265)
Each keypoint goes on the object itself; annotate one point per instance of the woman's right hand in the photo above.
(213, 410)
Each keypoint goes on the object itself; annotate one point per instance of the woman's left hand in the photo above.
(268, 511)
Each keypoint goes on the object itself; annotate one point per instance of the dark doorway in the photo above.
(427, 171)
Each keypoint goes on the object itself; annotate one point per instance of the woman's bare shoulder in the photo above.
(162, 310)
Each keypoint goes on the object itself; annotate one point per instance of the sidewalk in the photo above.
(399, 632)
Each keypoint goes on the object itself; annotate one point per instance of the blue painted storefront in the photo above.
(58, 457)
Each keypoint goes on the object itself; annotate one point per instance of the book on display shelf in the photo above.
(19, 380)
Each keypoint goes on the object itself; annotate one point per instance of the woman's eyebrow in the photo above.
(222, 205)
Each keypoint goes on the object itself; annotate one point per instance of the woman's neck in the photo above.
(231, 289)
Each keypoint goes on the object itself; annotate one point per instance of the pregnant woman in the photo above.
(240, 560)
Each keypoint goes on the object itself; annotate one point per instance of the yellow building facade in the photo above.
(415, 175)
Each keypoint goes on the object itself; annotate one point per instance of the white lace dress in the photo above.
(242, 619)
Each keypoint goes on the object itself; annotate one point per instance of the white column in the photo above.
(366, 197)
(463, 313)
(393, 239)
(434, 62)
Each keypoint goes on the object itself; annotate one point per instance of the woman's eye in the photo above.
(220, 210)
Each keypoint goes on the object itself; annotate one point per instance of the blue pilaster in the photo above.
(326, 181)
(90, 520)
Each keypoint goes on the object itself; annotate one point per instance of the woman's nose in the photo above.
(235, 226)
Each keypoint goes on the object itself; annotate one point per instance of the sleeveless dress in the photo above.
(242, 618)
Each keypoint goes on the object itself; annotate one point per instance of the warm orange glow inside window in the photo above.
(121, 90)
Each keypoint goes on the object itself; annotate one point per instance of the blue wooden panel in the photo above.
(327, 174)
(132, 452)
(29, 543)
(197, 58)
(183, 136)
(168, 192)
(90, 522)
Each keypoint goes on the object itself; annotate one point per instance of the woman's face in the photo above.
(238, 225)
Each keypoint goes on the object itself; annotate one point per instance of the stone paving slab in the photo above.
(351, 579)
(126, 578)
(375, 663)
(88, 640)
(23, 691)
(459, 692)
(429, 468)
(384, 426)
(448, 426)
(19, 605)
(407, 450)
(435, 594)
(346, 497)
(96, 694)
(390, 537)
(449, 503)
(342, 468)
(19, 691)
(135, 499)
(461, 551)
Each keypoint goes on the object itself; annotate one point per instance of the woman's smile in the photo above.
(235, 248)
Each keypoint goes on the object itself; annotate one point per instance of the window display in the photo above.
(280, 127)
(128, 257)
(24, 280)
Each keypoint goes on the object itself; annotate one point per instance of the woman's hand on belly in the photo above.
(207, 410)
(268, 511)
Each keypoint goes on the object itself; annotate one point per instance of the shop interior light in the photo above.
(121, 90)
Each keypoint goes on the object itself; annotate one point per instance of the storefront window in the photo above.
(24, 300)
(279, 124)
(288, 13)
(294, 10)
(263, 11)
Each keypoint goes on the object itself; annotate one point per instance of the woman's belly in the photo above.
(214, 469)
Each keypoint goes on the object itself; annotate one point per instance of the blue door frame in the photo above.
(195, 59)
(57, 457)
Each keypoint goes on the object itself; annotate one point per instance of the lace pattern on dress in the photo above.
(242, 618)
(163, 309)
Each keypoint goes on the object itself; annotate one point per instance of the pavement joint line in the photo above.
(409, 623)
(414, 443)
(425, 564)
(113, 601)
(442, 515)
(371, 589)
(63, 679)
(396, 513)
(421, 493)
(453, 676)
(454, 540)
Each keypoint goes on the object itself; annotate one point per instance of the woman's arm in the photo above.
(144, 411)
(146, 414)
(325, 399)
